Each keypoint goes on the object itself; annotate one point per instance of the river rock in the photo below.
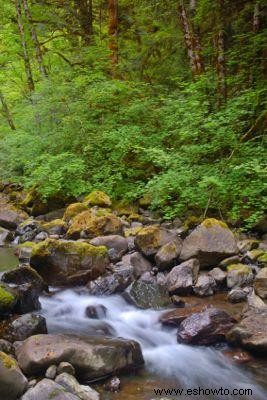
(168, 254)
(55, 227)
(51, 372)
(239, 275)
(260, 283)
(137, 262)
(12, 381)
(205, 328)
(247, 245)
(117, 245)
(175, 317)
(47, 389)
(92, 357)
(150, 239)
(218, 275)
(251, 331)
(97, 311)
(113, 385)
(6, 346)
(115, 281)
(74, 209)
(25, 326)
(65, 367)
(210, 243)
(10, 218)
(24, 251)
(66, 263)
(90, 224)
(70, 383)
(180, 279)
(22, 275)
(147, 295)
(205, 285)
(237, 295)
(5, 236)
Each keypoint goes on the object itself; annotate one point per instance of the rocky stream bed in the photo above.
(102, 301)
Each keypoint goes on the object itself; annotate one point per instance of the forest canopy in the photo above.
(164, 98)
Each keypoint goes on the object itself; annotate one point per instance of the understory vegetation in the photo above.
(134, 117)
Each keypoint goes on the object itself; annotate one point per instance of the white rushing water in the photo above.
(191, 366)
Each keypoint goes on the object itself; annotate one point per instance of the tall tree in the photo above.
(192, 41)
(7, 112)
(35, 39)
(84, 11)
(113, 33)
(24, 46)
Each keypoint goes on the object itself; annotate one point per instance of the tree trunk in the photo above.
(26, 57)
(192, 43)
(113, 32)
(35, 40)
(84, 10)
(7, 112)
(221, 69)
(256, 18)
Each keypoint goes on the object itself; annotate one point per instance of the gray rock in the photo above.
(147, 295)
(168, 255)
(181, 279)
(237, 295)
(139, 263)
(12, 381)
(151, 238)
(113, 385)
(47, 389)
(260, 283)
(5, 236)
(205, 286)
(65, 367)
(116, 244)
(6, 346)
(92, 357)
(239, 275)
(218, 275)
(70, 383)
(210, 243)
(26, 326)
(41, 236)
(51, 372)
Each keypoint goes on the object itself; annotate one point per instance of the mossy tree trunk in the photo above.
(113, 31)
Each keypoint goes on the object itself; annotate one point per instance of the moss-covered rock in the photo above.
(124, 208)
(8, 299)
(22, 275)
(238, 275)
(12, 382)
(98, 198)
(74, 209)
(210, 243)
(151, 238)
(260, 284)
(263, 259)
(145, 201)
(65, 263)
(93, 225)
(55, 227)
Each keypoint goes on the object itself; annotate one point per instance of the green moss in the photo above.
(7, 299)
(146, 200)
(26, 244)
(263, 258)
(52, 224)
(7, 361)
(98, 198)
(74, 209)
(240, 268)
(211, 222)
(132, 231)
(124, 208)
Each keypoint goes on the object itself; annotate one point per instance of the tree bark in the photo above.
(192, 43)
(7, 112)
(113, 32)
(256, 18)
(35, 40)
(26, 57)
(84, 10)
(221, 68)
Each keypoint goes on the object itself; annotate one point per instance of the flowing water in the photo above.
(167, 363)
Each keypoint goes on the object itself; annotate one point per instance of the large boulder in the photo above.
(47, 389)
(150, 239)
(147, 295)
(167, 256)
(210, 243)
(92, 357)
(117, 245)
(251, 331)
(23, 275)
(66, 263)
(90, 224)
(207, 327)
(182, 278)
(12, 381)
(97, 198)
(260, 283)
